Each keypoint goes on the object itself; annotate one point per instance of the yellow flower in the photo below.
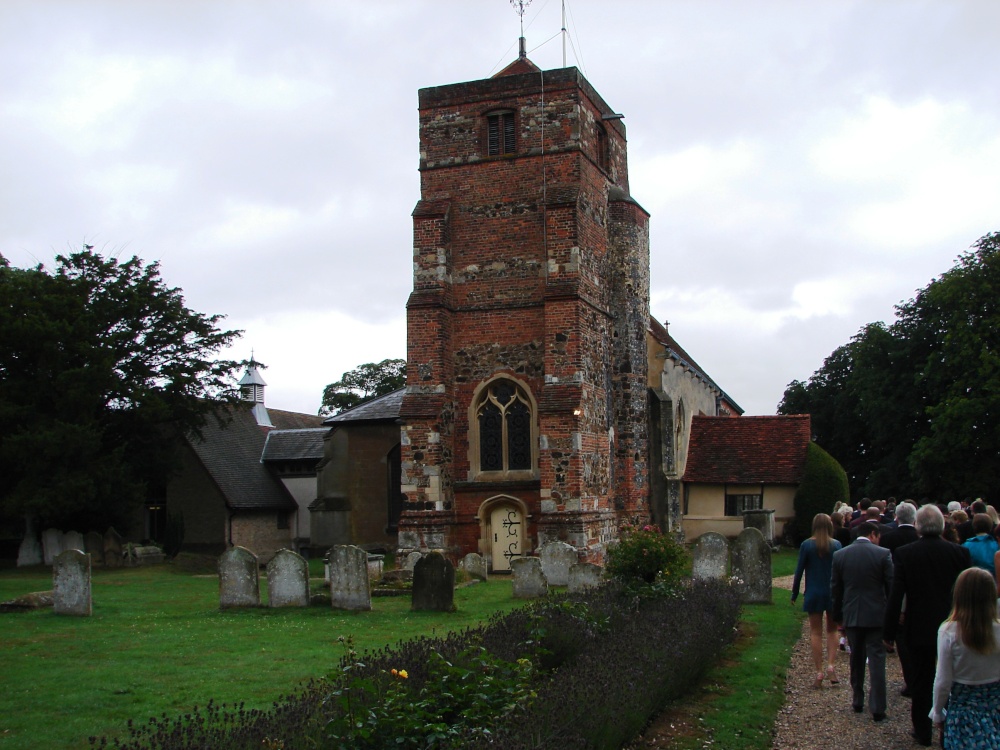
(403, 674)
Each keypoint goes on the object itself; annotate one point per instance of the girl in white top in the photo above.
(967, 681)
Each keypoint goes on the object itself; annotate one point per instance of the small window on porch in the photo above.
(736, 504)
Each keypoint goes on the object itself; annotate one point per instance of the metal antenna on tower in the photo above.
(519, 7)
(564, 31)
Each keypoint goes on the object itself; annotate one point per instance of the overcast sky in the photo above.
(807, 165)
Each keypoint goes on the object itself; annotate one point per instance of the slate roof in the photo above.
(232, 456)
(748, 450)
(294, 445)
(379, 409)
(676, 352)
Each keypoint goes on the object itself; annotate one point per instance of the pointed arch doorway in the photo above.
(504, 537)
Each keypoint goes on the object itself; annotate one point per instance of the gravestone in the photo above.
(751, 559)
(375, 566)
(148, 555)
(51, 545)
(584, 576)
(433, 584)
(93, 545)
(239, 580)
(763, 521)
(287, 580)
(711, 557)
(30, 551)
(557, 558)
(112, 548)
(73, 540)
(71, 584)
(528, 579)
(475, 565)
(411, 560)
(349, 587)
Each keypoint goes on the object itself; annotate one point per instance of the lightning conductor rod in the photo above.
(519, 7)
(563, 31)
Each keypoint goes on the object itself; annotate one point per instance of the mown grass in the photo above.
(157, 643)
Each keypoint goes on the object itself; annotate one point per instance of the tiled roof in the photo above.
(232, 456)
(378, 409)
(294, 445)
(676, 352)
(747, 450)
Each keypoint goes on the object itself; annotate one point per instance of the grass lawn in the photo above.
(157, 643)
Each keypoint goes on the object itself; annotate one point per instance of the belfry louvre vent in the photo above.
(500, 133)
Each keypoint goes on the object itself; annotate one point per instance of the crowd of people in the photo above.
(921, 583)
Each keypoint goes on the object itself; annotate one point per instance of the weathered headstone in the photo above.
(287, 580)
(349, 587)
(763, 521)
(528, 579)
(433, 584)
(710, 559)
(375, 565)
(751, 559)
(148, 555)
(71, 584)
(93, 545)
(239, 580)
(112, 548)
(557, 558)
(584, 576)
(30, 551)
(73, 540)
(52, 540)
(411, 560)
(475, 565)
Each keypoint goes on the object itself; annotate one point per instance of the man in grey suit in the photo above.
(862, 579)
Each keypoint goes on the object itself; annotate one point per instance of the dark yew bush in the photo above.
(584, 671)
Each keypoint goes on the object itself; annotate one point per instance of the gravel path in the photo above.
(823, 718)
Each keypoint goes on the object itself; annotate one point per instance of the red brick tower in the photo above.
(525, 412)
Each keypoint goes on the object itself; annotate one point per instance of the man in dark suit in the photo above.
(903, 534)
(925, 573)
(862, 576)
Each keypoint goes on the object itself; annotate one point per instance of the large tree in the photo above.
(101, 364)
(363, 383)
(912, 408)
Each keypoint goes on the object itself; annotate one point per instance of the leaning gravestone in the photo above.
(73, 540)
(528, 579)
(52, 540)
(30, 551)
(475, 565)
(93, 545)
(112, 548)
(239, 580)
(349, 587)
(584, 576)
(752, 567)
(411, 560)
(433, 584)
(71, 584)
(557, 558)
(711, 556)
(287, 580)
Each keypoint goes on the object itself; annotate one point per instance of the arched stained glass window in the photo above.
(504, 417)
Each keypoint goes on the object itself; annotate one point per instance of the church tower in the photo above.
(524, 419)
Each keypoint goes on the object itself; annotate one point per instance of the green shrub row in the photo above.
(584, 670)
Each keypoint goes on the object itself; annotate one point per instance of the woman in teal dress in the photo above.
(816, 561)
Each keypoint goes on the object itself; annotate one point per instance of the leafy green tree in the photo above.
(101, 364)
(912, 408)
(824, 483)
(363, 383)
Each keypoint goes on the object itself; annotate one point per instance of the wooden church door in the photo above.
(506, 535)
